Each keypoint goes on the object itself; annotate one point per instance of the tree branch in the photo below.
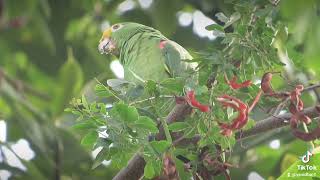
(275, 122)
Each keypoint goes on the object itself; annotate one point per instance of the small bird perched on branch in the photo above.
(144, 52)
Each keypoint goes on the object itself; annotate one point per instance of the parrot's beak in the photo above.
(104, 46)
(107, 46)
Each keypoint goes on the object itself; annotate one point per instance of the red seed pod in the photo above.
(204, 108)
(169, 168)
(266, 83)
(234, 85)
(306, 119)
(296, 104)
(240, 121)
(294, 121)
(300, 105)
(293, 108)
(314, 134)
(191, 99)
(226, 132)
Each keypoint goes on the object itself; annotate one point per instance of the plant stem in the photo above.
(166, 130)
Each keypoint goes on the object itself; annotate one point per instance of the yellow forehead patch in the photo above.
(106, 33)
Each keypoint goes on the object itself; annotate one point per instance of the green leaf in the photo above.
(214, 27)
(147, 123)
(84, 102)
(160, 146)
(218, 33)
(127, 113)
(14, 170)
(202, 128)
(149, 170)
(201, 89)
(151, 87)
(249, 124)
(86, 125)
(173, 84)
(70, 83)
(287, 160)
(178, 126)
(102, 142)
(135, 92)
(233, 18)
(89, 139)
(222, 17)
(116, 82)
(100, 157)
(33, 170)
(102, 91)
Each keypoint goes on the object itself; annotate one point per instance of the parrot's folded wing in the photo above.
(174, 54)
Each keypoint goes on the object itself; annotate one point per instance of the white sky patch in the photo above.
(104, 25)
(3, 131)
(254, 176)
(200, 21)
(23, 150)
(117, 69)
(257, 81)
(4, 174)
(95, 152)
(274, 144)
(184, 18)
(13, 159)
(103, 134)
(126, 6)
(145, 3)
(282, 112)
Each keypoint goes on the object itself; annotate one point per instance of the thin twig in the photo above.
(255, 101)
(150, 98)
(281, 106)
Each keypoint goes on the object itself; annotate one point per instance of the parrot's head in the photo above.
(116, 36)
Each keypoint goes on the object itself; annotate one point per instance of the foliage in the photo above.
(49, 57)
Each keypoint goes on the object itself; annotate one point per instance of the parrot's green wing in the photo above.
(174, 55)
(147, 59)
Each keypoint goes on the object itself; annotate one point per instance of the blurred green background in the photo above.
(48, 55)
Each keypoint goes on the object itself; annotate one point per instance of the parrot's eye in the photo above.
(116, 27)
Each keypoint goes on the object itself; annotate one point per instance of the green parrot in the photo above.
(145, 53)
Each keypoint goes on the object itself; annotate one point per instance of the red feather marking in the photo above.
(162, 44)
